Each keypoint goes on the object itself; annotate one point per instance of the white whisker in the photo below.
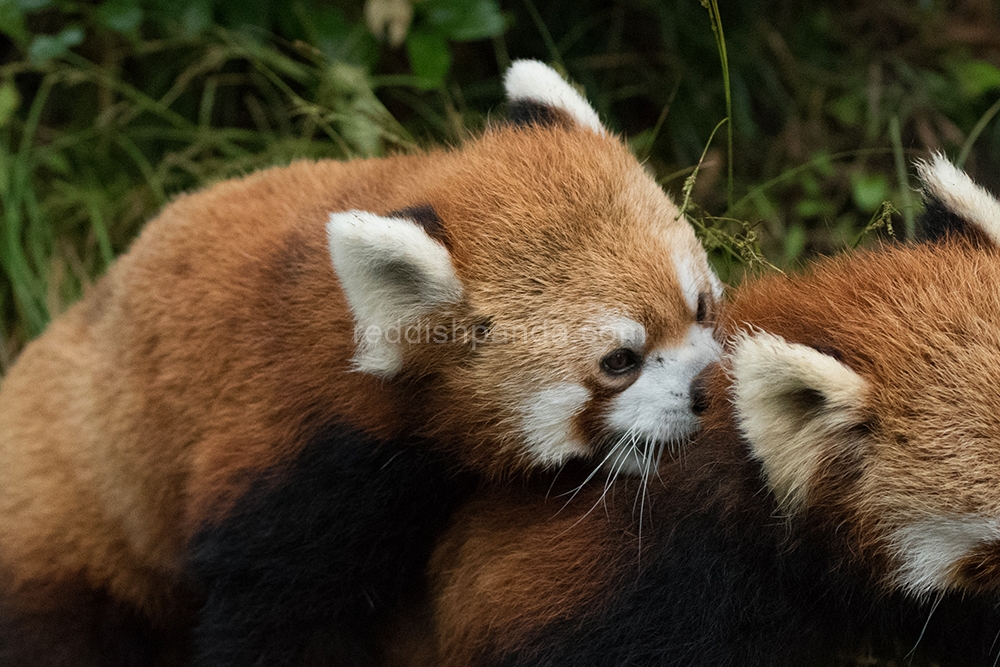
(573, 493)
(554, 478)
(909, 656)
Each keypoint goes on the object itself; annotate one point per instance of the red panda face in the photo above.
(883, 421)
(558, 297)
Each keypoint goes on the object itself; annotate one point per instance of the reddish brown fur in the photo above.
(509, 570)
(917, 323)
(215, 346)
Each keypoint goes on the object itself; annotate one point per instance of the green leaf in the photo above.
(56, 161)
(122, 16)
(810, 185)
(482, 21)
(976, 77)
(848, 109)
(46, 47)
(869, 190)
(196, 18)
(12, 22)
(815, 208)
(795, 242)
(642, 142)
(463, 20)
(9, 101)
(429, 58)
(823, 165)
(328, 29)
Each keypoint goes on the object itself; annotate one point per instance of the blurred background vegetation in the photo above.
(107, 109)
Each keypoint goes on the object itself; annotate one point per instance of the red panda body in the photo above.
(841, 490)
(289, 375)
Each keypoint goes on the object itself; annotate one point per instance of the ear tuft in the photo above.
(954, 204)
(536, 93)
(393, 273)
(792, 402)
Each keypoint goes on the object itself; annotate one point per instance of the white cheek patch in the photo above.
(656, 408)
(930, 550)
(547, 424)
(537, 82)
(960, 194)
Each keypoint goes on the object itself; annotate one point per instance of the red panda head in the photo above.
(553, 298)
(883, 421)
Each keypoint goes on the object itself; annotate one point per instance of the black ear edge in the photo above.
(939, 222)
(955, 206)
(427, 217)
(526, 113)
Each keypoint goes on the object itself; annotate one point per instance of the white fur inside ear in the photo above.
(537, 82)
(393, 274)
(959, 193)
(791, 404)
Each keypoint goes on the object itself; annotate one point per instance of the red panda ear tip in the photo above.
(955, 206)
(538, 94)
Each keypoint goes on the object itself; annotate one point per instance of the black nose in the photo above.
(699, 393)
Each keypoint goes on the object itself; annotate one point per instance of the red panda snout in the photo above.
(657, 409)
(632, 402)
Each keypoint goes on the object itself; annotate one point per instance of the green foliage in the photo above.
(438, 22)
(94, 139)
(109, 108)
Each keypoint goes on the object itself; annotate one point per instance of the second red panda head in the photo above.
(895, 439)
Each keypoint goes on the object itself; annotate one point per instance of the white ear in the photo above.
(392, 273)
(952, 188)
(534, 81)
(792, 404)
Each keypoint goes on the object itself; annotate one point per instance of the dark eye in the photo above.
(704, 308)
(620, 361)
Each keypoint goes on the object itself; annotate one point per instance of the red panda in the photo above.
(841, 486)
(258, 417)
(922, 503)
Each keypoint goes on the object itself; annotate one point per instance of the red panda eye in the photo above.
(620, 361)
(704, 308)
